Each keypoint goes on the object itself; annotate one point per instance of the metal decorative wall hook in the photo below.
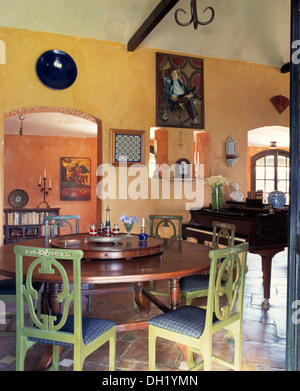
(21, 128)
(194, 16)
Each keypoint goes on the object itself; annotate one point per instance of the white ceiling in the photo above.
(249, 30)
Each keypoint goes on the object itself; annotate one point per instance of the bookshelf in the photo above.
(23, 224)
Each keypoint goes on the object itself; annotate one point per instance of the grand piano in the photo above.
(266, 232)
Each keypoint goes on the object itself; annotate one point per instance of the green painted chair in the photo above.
(194, 327)
(52, 229)
(52, 226)
(195, 286)
(164, 221)
(83, 333)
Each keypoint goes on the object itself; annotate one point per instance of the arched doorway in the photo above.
(69, 112)
(267, 140)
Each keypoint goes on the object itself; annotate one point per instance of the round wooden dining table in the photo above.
(128, 261)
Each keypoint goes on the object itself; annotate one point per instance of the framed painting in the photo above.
(179, 91)
(128, 146)
(75, 182)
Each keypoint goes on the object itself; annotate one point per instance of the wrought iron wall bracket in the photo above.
(194, 16)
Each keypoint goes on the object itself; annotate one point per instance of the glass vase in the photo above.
(217, 198)
(128, 227)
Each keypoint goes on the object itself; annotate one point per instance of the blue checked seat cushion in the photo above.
(8, 286)
(91, 329)
(194, 283)
(187, 320)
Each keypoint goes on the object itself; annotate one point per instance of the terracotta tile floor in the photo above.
(264, 332)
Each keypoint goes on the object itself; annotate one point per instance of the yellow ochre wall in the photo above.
(119, 87)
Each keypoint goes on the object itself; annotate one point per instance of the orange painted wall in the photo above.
(119, 88)
(26, 157)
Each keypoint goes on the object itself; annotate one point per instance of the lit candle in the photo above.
(44, 173)
(198, 160)
(40, 181)
(155, 147)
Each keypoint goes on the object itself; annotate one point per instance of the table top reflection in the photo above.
(177, 259)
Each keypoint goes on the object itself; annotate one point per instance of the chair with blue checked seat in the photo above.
(194, 327)
(83, 333)
(173, 226)
(197, 285)
(8, 295)
(53, 224)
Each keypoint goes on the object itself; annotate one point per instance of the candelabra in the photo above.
(44, 191)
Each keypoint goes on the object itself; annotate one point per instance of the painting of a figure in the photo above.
(75, 179)
(179, 91)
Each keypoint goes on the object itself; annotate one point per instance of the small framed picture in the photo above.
(128, 146)
(32, 231)
(15, 232)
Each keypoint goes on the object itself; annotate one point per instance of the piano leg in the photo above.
(266, 260)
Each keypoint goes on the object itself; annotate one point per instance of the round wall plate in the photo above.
(56, 69)
(18, 198)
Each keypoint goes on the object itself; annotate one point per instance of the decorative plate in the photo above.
(280, 103)
(103, 239)
(18, 198)
(56, 69)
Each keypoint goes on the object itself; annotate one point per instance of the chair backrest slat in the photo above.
(60, 222)
(226, 297)
(166, 221)
(35, 263)
(223, 232)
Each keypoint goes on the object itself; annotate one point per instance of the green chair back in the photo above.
(58, 330)
(60, 222)
(166, 221)
(194, 326)
(223, 233)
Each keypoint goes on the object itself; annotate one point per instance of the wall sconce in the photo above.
(273, 144)
(230, 151)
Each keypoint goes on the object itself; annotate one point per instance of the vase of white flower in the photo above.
(216, 183)
(128, 222)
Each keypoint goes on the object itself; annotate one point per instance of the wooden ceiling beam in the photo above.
(160, 11)
(285, 68)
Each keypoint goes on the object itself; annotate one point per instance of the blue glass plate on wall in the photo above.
(56, 69)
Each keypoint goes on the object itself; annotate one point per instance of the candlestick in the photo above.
(155, 147)
(44, 191)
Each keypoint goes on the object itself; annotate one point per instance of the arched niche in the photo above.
(67, 111)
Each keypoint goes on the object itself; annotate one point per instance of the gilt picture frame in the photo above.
(178, 114)
(75, 184)
(127, 146)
